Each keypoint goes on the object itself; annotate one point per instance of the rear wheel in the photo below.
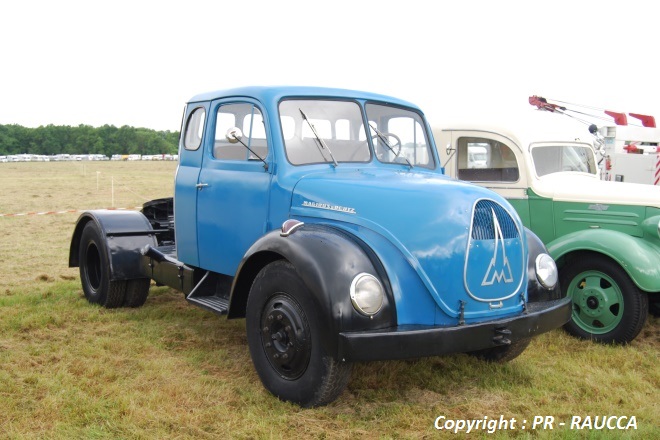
(607, 306)
(284, 332)
(136, 292)
(95, 270)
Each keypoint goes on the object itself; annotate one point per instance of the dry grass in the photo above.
(168, 370)
(36, 246)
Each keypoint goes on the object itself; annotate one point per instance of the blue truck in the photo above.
(324, 218)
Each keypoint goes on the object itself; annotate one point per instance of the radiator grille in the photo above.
(483, 226)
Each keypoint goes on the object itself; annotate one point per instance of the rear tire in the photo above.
(285, 336)
(95, 270)
(136, 292)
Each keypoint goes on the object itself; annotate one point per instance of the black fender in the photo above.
(125, 233)
(327, 259)
(535, 290)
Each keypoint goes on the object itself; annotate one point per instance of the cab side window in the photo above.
(486, 160)
(249, 120)
(194, 129)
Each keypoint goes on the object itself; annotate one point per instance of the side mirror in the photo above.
(234, 134)
(449, 149)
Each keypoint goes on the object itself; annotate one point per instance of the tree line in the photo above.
(85, 139)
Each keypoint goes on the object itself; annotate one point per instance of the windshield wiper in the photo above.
(383, 138)
(318, 138)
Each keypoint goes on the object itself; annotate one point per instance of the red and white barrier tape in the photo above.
(657, 170)
(68, 211)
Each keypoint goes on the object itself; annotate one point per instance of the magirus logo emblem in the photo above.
(499, 269)
(494, 260)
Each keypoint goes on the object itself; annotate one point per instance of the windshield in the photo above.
(317, 131)
(557, 158)
(332, 131)
(398, 136)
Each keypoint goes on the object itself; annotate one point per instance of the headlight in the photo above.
(367, 294)
(651, 226)
(546, 271)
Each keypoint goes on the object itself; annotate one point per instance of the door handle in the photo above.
(201, 185)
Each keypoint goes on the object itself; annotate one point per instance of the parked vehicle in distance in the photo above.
(627, 153)
(322, 217)
(604, 235)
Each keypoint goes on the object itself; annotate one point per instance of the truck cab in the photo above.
(323, 217)
(604, 235)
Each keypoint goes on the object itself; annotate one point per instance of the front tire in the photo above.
(607, 306)
(95, 270)
(654, 305)
(285, 336)
(502, 354)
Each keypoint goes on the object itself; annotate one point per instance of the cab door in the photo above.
(233, 186)
(187, 175)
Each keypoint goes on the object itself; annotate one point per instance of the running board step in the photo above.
(205, 295)
(212, 303)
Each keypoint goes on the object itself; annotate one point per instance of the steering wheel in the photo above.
(359, 152)
(396, 148)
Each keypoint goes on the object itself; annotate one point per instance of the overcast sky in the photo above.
(137, 62)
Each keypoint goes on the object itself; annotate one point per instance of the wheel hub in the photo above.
(285, 337)
(597, 302)
(592, 302)
(92, 266)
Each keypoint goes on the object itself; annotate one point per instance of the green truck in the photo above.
(604, 236)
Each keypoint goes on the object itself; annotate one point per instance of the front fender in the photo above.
(327, 259)
(638, 257)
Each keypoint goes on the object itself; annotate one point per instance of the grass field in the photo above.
(169, 370)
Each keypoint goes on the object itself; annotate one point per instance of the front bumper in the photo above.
(413, 341)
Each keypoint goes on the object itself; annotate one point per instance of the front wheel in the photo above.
(284, 332)
(607, 306)
(502, 354)
(654, 305)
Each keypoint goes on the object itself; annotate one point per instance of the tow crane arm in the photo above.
(619, 118)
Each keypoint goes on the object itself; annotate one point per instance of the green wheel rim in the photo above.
(597, 302)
